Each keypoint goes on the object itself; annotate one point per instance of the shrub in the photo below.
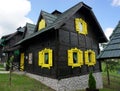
(91, 81)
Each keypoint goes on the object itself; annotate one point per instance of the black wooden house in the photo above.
(7, 47)
(64, 44)
(59, 34)
(8, 42)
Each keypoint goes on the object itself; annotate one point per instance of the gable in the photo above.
(45, 20)
(81, 8)
(57, 22)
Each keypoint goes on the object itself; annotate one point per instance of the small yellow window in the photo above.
(45, 58)
(90, 58)
(81, 26)
(41, 24)
(75, 58)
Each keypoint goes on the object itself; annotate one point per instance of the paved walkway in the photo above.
(4, 72)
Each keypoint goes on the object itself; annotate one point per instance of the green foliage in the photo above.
(10, 61)
(2, 42)
(114, 81)
(113, 65)
(91, 81)
(16, 52)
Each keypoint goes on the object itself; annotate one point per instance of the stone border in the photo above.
(4, 72)
(68, 84)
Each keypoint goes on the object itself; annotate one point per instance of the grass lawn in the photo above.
(24, 83)
(114, 81)
(1, 65)
(21, 83)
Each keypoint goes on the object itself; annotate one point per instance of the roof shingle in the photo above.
(112, 49)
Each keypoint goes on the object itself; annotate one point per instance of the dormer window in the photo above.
(41, 24)
(81, 26)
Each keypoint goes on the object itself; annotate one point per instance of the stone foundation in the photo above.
(68, 84)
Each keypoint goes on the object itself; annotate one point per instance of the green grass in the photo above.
(114, 81)
(1, 65)
(21, 83)
(24, 83)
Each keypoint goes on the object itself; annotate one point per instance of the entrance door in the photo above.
(22, 62)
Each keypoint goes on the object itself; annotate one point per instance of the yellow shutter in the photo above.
(77, 24)
(70, 58)
(85, 27)
(41, 24)
(50, 57)
(86, 58)
(80, 58)
(40, 60)
(22, 62)
(93, 57)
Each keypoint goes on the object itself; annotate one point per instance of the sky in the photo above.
(16, 13)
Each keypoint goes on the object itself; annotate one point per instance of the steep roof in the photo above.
(56, 13)
(8, 37)
(56, 22)
(112, 49)
(29, 29)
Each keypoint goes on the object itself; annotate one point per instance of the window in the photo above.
(75, 57)
(81, 26)
(30, 58)
(45, 58)
(90, 58)
(41, 24)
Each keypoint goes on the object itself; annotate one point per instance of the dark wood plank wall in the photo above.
(69, 38)
(60, 41)
(46, 40)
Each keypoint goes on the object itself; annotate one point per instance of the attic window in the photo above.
(81, 26)
(75, 57)
(45, 58)
(41, 24)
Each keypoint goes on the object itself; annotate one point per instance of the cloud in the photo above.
(108, 32)
(13, 15)
(116, 2)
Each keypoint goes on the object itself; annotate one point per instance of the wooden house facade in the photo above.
(8, 50)
(8, 44)
(64, 45)
(74, 33)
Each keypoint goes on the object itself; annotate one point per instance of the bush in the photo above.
(91, 81)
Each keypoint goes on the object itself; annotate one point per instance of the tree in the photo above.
(112, 65)
(9, 64)
(91, 81)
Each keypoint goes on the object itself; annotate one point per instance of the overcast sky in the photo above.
(15, 13)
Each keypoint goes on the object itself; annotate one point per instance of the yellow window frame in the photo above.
(79, 21)
(90, 58)
(41, 59)
(41, 24)
(79, 58)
